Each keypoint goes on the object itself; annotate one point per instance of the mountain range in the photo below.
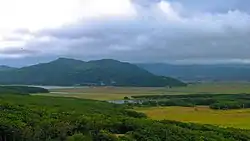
(68, 72)
(219, 72)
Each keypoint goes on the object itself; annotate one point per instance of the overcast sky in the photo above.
(175, 31)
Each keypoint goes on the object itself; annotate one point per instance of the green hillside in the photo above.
(65, 72)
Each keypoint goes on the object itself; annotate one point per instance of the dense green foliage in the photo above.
(215, 101)
(21, 90)
(38, 118)
(75, 72)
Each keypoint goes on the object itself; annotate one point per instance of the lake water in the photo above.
(125, 101)
(57, 87)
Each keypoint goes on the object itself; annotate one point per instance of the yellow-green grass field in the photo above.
(105, 93)
(115, 93)
(204, 115)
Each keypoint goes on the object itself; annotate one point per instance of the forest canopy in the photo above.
(39, 118)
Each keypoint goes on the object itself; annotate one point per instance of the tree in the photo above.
(126, 98)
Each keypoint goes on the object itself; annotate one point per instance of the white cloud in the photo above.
(132, 30)
(169, 11)
(39, 14)
(102, 9)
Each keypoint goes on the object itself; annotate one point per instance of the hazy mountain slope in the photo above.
(65, 71)
(4, 68)
(223, 72)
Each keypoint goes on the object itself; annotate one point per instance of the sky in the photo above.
(170, 31)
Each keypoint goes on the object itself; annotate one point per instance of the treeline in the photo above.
(38, 118)
(214, 101)
(21, 90)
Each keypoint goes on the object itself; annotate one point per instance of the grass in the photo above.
(223, 88)
(114, 93)
(105, 93)
(204, 115)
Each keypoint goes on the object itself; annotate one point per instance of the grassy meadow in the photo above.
(116, 93)
(204, 115)
(104, 93)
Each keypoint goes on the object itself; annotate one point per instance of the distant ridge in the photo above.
(217, 72)
(4, 68)
(68, 72)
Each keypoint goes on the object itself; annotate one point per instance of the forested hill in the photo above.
(64, 71)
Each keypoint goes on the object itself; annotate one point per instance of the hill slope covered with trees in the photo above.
(65, 72)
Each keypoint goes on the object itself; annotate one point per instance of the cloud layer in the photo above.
(177, 31)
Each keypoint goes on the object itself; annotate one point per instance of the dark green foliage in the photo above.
(21, 90)
(79, 137)
(104, 136)
(224, 105)
(75, 72)
(38, 118)
(215, 101)
(126, 98)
